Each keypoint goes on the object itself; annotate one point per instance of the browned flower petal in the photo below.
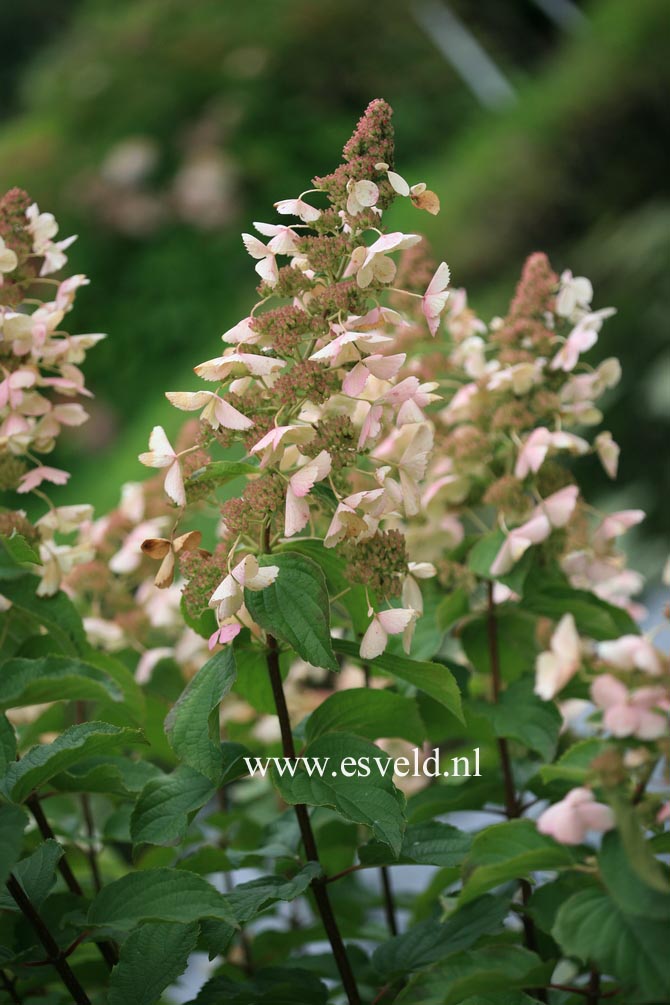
(427, 200)
(187, 542)
(156, 547)
(165, 574)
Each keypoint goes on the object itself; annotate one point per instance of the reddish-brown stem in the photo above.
(586, 992)
(384, 872)
(389, 903)
(512, 802)
(593, 994)
(381, 994)
(318, 884)
(88, 818)
(229, 884)
(54, 954)
(345, 872)
(9, 984)
(107, 949)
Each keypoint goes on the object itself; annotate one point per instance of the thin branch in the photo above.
(318, 883)
(593, 994)
(513, 806)
(229, 884)
(107, 949)
(346, 872)
(54, 954)
(384, 871)
(91, 853)
(389, 903)
(511, 803)
(9, 984)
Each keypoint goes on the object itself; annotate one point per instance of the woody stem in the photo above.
(318, 884)
(513, 807)
(51, 947)
(384, 871)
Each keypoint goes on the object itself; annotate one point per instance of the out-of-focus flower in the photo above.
(435, 298)
(571, 819)
(631, 713)
(631, 652)
(34, 478)
(575, 293)
(8, 259)
(558, 665)
(105, 634)
(608, 451)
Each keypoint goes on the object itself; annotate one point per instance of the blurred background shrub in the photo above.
(158, 130)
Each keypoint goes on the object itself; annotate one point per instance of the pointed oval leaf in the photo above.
(296, 608)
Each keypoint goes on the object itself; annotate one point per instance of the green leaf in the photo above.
(253, 681)
(151, 958)
(520, 715)
(508, 851)
(7, 743)
(192, 725)
(271, 986)
(620, 874)
(15, 553)
(574, 766)
(36, 874)
(430, 941)
(431, 843)
(367, 712)
(296, 608)
(489, 969)
(334, 568)
(12, 823)
(158, 895)
(249, 899)
(204, 625)
(452, 608)
(592, 927)
(502, 998)
(372, 800)
(635, 846)
(112, 775)
(133, 696)
(551, 596)
(547, 898)
(516, 642)
(458, 794)
(166, 804)
(435, 679)
(57, 614)
(53, 678)
(220, 472)
(41, 763)
(233, 765)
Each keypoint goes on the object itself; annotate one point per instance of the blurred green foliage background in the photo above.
(159, 129)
